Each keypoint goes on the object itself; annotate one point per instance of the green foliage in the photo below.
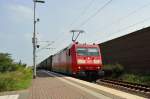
(5, 58)
(116, 71)
(113, 70)
(15, 80)
(136, 78)
(5, 62)
(13, 76)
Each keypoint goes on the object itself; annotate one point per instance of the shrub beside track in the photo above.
(13, 76)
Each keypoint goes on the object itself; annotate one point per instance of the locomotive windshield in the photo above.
(88, 51)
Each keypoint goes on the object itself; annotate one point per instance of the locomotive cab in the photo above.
(88, 59)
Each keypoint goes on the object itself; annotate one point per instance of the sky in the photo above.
(58, 17)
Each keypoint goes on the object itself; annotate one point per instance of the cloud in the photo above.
(20, 12)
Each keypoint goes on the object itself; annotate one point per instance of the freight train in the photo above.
(75, 59)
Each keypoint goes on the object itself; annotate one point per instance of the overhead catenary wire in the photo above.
(132, 25)
(94, 14)
(120, 19)
(85, 9)
(128, 15)
(125, 28)
(82, 13)
(77, 18)
(45, 47)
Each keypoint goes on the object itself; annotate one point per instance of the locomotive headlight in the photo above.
(79, 67)
(98, 67)
(81, 61)
(96, 61)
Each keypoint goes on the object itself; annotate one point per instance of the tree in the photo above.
(6, 63)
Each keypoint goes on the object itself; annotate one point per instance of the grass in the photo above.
(15, 80)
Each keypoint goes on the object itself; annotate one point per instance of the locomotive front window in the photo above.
(88, 51)
(82, 51)
(93, 52)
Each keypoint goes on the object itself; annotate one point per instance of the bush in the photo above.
(136, 78)
(117, 72)
(113, 70)
(7, 64)
(13, 76)
(15, 80)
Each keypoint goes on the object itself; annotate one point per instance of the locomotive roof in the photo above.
(86, 45)
(79, 45)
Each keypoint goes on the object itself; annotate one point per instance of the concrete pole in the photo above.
(34, 43)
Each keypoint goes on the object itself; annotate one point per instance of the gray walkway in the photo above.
(49, 87)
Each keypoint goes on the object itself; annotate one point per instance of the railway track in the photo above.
(137, 89)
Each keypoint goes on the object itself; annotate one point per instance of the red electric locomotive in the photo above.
(78, 59)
